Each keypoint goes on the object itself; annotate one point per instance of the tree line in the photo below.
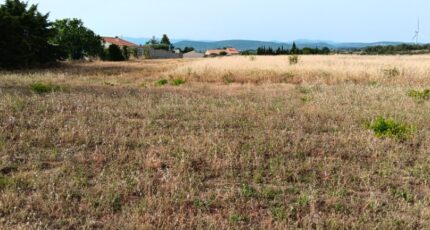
(29, 39)
(294, 50)
(396, 49)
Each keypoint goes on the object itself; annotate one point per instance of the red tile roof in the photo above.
(214, 52)
(232, 51)
(118, 41)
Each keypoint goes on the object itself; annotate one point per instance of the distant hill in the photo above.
(142, 41)
(253, 45)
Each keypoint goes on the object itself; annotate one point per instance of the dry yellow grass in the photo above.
(412, 70)
(111, 148)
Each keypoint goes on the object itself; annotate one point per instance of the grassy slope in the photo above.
(113, 150)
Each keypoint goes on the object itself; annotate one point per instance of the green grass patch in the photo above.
(5, 182)
(383, 127)
(2, 143)
(161, 82)
(279, 213)
(248, 191)
(236, 218)
(402, 193)
(41, 88)
(420, 96)
(177, 82)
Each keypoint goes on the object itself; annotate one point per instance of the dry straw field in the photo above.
(333, 142)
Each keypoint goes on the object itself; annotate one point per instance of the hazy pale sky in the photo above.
(281, 20)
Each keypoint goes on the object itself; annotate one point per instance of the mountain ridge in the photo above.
(243, 44)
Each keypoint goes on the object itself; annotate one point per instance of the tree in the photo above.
(294, 49)
(125, 53)
(114, 53)
(188, 49)
(325, 50)
(75, 40)
(25, 35)
(155, 44)
(166, 41)
(153, 41)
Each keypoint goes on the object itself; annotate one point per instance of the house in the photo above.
(193, 54)
(213, 53)
(232, 51)
(222, 52)
(107, 41)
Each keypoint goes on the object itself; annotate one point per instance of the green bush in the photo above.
(45, 88)
(294, 59)
(161, 82)
(390, 128)
(420, 95)
(114, 53)
(178, 82)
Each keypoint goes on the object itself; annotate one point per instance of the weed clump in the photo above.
(228, 78)
(383, 127)
(41, 88)
(391, 72)
(4, 182)
(248, 191)
(420, 96)
(294, 59)
(177, 82)
(161, 82)
(236, 218)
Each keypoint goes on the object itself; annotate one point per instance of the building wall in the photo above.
(194, 55)
(151, 53)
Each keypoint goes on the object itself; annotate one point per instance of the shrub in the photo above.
(420, 95)
(161, 82)
(228, 78)
(177, 82)
(125, 53)
(45, 88)
(383, 127)
(114, 53)
(294, 59)
(392, 72)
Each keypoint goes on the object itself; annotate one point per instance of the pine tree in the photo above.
(294, 49)
(166, 41)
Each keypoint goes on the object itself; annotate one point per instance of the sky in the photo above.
(268, 20)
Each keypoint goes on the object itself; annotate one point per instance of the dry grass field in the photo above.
(220, 143)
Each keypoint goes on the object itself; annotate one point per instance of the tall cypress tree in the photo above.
(294, 49)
